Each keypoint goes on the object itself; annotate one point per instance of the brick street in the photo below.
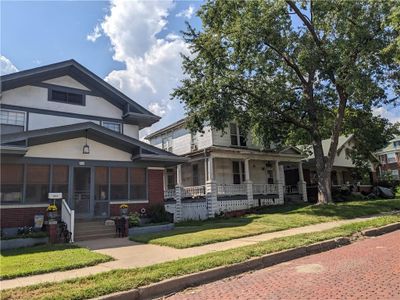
(368, 269)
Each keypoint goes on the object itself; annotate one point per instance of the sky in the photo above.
(133, 45)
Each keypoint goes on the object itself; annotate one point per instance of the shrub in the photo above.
(133, 219)
(157, 213)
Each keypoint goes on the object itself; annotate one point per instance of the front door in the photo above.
(81, 193)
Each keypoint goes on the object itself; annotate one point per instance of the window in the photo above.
(195, 174)
(391, 158)
(12, 121)
(60, 180)
(171, 179)
(395, 173)
(382, 158)
(234, 134)
(138, 184)
(396, 144)
(237, 135)
(112, 126)
(119, 183)
(37, 183)
(193, 142)
(238, 172)
(12, 179)
(167, 143)
(101, 183)
(66, 97)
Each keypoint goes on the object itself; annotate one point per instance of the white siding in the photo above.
(37, 97)
(39, 121)
(131, 130)
(181, 139)
(72, 149)
(223, 171)
(67, 81)
(220, 139)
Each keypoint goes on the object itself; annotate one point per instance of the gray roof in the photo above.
(390, 146)
(134, 113)
(172, 126)
(139, 150)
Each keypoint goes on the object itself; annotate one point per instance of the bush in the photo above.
(133, 219)
(158, 214)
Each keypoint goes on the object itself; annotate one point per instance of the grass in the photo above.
(191, 234)
(120, 280)
(45, 259)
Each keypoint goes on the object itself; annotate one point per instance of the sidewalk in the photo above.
(128, 254)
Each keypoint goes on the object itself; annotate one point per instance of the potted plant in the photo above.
(52, 212)
(123, 208)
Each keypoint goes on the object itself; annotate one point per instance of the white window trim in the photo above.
(169, 145)
(238, 135)
(17, 111)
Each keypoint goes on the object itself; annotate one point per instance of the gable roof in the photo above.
(342, 141)
(138, 149)
(133, 112)
(390, 147)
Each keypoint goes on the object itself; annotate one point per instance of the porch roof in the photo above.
(139, 150)
(243, 153)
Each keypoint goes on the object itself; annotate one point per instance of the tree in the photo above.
(290, 69)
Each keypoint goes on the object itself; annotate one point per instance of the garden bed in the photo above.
(14, 243)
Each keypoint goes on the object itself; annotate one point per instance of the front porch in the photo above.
(233, 182)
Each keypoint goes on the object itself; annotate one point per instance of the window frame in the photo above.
(167, 143)
(17, 112)
(241, 174)
(67, 91)
(113, 123)
(237, 136)
(392, 159)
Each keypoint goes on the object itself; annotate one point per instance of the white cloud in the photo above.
(187, 13)
(95, 34)
(6, 66)
(389, 112)
(152, 64)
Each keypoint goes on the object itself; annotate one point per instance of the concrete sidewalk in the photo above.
(128, 254)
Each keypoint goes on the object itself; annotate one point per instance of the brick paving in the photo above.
(368, 269)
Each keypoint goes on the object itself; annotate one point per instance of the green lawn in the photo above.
(190, 234)
(121, 280)
(46, 258)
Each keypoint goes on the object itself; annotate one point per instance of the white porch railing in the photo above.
(169, 194)
(231, 189)
(291, 189)
(68, 217)
(265, 189)
(193, 191)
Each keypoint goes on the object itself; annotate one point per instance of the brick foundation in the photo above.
(18, 217)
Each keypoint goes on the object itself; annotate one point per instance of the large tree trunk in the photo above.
(323, 168)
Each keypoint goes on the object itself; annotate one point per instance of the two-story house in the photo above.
(233, 162)
(64, 129)
(389, 158)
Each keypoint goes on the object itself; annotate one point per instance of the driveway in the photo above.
(369, 269)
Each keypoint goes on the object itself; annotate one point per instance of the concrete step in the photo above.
(94, 230)
(85, 237)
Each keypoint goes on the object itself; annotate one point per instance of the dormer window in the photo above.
(114, 126)
(66, 97)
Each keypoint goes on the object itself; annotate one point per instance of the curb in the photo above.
(173, 285)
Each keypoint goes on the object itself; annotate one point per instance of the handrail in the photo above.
(68, 217)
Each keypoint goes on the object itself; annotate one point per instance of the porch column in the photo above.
(210, 168)
(205, 170)
(178, 204)
(249, 183)
(165, 179)
(179, 175)
(302, 185)
(279, 184)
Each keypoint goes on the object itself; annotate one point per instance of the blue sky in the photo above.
(134, 45)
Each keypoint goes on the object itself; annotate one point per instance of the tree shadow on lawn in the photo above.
(39, 249)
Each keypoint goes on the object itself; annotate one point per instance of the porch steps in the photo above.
(92, 230)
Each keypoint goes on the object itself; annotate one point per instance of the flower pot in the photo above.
(123, 211)
(52, 215)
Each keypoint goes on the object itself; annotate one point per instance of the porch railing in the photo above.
(291, 189)
(194, 191)
(68, 217)
(232, 189)
(265, 189)
(169, 194)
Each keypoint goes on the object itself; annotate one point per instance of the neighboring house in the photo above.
(389, 158)
(238, 167)
(64, 129)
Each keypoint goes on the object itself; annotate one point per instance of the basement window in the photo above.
(66, 97)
